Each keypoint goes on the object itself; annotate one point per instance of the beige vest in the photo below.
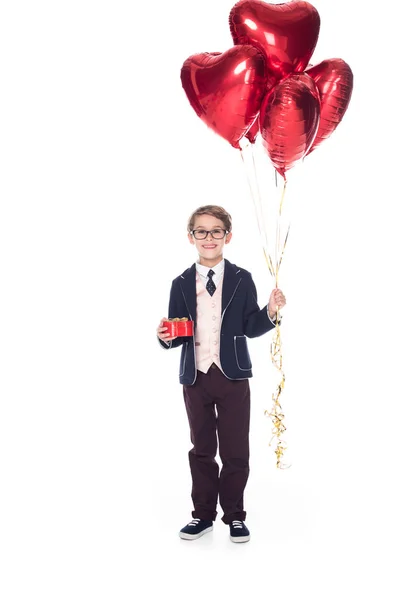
(208, 326)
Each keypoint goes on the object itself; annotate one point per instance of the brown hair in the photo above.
(215, 211)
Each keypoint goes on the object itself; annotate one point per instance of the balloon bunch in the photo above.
(265, 85)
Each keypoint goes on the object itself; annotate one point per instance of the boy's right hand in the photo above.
(164, 337)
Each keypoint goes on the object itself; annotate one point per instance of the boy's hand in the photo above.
(164, 337)
(276, 301)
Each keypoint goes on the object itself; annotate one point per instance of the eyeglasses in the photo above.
(201, 234)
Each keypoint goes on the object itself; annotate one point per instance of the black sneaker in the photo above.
(195, 529)
(239, 532)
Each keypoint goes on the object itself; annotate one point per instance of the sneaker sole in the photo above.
(238, 540)
(194, 536)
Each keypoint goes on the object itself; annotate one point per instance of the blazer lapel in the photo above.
(188, 286)
(231, 279)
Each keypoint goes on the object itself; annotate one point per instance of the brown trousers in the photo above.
(217, 406)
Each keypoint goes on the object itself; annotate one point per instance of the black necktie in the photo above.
(210, 287)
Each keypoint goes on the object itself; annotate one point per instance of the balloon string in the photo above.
(260, 203)
(276, 414)
(256, 197)
(278, 251)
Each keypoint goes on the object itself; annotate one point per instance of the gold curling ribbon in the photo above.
(276, 413)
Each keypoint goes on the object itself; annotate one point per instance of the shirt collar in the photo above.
(203, 270)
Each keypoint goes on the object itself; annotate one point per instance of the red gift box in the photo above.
(178, 328)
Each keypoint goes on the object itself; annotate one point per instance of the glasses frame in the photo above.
(207, 232)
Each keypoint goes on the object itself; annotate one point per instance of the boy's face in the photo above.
(210, 249)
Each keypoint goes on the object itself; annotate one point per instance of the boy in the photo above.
(215, 367)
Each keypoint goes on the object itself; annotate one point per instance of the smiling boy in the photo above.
(215, 368)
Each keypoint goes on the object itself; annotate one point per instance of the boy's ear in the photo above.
(190, 238)
(228, 238)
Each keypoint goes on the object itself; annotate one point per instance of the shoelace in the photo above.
(237, 524)
(193, 523)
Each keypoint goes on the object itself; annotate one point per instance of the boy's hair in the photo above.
(215, 211)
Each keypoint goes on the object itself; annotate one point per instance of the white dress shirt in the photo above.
(218, 272)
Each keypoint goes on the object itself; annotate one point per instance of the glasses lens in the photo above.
(218, 234)
(200, 234)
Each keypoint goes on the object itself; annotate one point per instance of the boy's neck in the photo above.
(210, 263)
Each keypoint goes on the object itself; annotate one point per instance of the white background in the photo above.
(102, 161)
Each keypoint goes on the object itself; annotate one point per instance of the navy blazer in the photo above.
(241, 317)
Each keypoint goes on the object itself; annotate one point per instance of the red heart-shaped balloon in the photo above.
(286, 33)
(226, 89)
(253, 131)
(289, 118)
(334, 80)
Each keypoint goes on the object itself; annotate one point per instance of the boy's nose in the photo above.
(209, 237)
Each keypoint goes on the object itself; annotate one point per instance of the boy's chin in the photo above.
(211, 254)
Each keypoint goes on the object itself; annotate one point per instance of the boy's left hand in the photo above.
(276, 301)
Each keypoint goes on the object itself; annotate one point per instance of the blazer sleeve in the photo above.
(173, 311)
(256, 320)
